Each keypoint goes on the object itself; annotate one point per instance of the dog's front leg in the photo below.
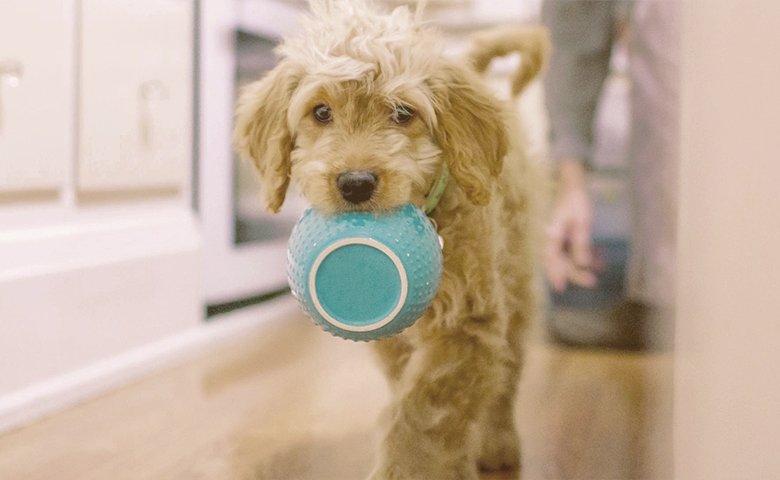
(431, 422)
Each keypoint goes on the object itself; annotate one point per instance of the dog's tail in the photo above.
(530, 41)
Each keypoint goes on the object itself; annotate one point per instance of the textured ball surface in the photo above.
(364, 276)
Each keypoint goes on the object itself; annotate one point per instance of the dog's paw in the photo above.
(500, 451)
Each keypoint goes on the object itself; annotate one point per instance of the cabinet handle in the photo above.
(11, 75)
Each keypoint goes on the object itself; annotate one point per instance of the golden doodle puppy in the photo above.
(364, 112)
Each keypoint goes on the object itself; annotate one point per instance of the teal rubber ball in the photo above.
(363, 275)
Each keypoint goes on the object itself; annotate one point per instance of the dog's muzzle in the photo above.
(357, 186)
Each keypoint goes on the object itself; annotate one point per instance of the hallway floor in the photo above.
(293, 403)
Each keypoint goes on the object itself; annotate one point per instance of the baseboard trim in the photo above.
(47, 397)
(218, 309)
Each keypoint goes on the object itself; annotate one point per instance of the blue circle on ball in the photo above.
(344, 284)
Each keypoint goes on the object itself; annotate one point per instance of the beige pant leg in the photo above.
(654, 150)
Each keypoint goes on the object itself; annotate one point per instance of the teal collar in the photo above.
(437, 191)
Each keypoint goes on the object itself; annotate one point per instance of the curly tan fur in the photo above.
(454, 373)
(531, 42)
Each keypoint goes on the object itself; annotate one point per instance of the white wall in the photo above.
(727, 386)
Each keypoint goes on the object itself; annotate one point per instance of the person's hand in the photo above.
(568, 255)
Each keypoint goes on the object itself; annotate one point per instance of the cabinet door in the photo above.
(36, 94)
(136, 95)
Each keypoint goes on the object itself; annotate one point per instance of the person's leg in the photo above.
(654, 158)
(654, 151)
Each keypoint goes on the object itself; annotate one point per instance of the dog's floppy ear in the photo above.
(470, 130)
(261, 133)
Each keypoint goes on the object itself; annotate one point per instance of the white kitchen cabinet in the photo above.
(136, 95)
(36, 94)
(93, 293)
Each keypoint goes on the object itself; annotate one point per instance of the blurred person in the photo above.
(583, 34)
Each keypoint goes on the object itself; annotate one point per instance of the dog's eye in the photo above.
(402, 114)
(323, 113)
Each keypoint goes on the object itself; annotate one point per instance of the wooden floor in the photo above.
(294, 403)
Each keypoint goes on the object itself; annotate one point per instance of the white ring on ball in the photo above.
(371, 243)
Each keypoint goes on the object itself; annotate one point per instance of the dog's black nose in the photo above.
(356, 187)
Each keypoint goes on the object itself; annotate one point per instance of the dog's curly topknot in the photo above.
(351, 40)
